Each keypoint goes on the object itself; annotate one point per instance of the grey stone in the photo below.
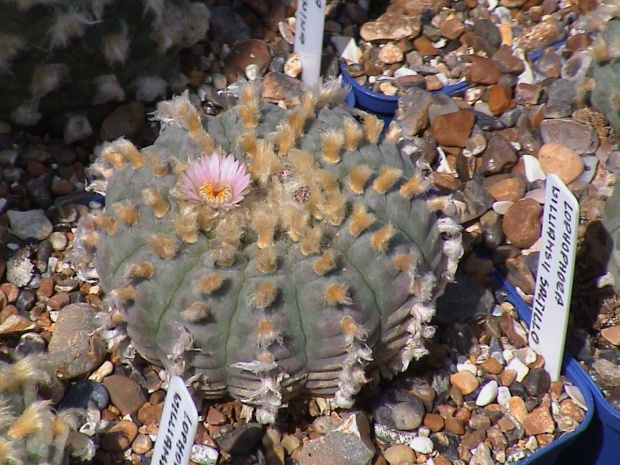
(20, 268)
(349, 444)
(576, 136)
(412, 113)
(39, 190)
(442, 105)
(76, 347)
(31, 224)
(242, 440)
(398, 409)
(476, 199)
(83, 392)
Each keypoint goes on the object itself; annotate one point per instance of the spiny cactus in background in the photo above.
(605, 68)
(324, 269)
(30, 431)
(57, 56)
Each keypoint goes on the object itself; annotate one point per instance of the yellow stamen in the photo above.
(215, 192)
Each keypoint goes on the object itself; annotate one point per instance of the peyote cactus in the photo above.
(57, 56)
(30, 431)
(611, 220)
(324, 268)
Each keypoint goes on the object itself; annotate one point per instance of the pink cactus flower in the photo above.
(218, 181)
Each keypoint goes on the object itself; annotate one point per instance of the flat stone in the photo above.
(539, 421)
(31, 224)
(76, 346)
(349, 444)
(125, 121)
(412, 114)
(541, 35)
(506, 62)
(390, 53)
(119, 437)
(499, 99)
(453, 129)
(612, 334)
(451, 27)
(560, 160)
(537, 382)
(279, 86)
(150, 414)
(492, 366)
(425, 47)
(126, 395)
(390, 26)
(576, 136)
(434, 422)
(16, 324)
(465, 381)
(454, 425)
(522, 223)
(517, 408)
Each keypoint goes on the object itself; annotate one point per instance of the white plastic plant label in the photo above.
(554, 281)
(309, 26)
(177, 428)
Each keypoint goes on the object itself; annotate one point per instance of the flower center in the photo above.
(216, 192)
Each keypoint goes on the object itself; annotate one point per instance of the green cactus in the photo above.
(58, 56)
(30, 431)
(326, 271)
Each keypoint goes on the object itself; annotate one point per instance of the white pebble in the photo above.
(590, 162)
(422, 445)
(527, 355)
(58, 240)
(502, 207)
(252, 72)
(533, 170)
(487, 394)
(575, 393)
(503, 396)
(204, 455)
(537, 194)
(520, 367)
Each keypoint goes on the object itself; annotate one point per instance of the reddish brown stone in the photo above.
(453, 129)
(500, 99)
(482, 71)
(522, 223)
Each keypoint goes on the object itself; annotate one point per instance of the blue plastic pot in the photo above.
(582, 446)
(385, 106)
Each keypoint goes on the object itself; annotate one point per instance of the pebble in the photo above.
(204, 455)
(612, 334)
(126, 395)
(422, 445)
(81, 393)
(141, 444)
(498, 156)
(32, 224)
(125, 121)
(511, 189)
(482, 456)
(539, 421)
(499, 99)
(522, 223)
(399, 453)
(465, 381)
(609, 372)
(76, 346)
(349, 444)
(487, 394)
(293, 66)
(20, 269)
(560, 160)
(390, 53)
(453, 129)
(578, 137)
(241, 441)
(398, 409)
(119, 437)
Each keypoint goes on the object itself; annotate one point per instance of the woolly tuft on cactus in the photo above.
(59, 56)
(326, 271)
(30, 431)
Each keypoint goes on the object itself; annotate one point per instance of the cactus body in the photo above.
(327, 269)
(60, 56)
(30, 431)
